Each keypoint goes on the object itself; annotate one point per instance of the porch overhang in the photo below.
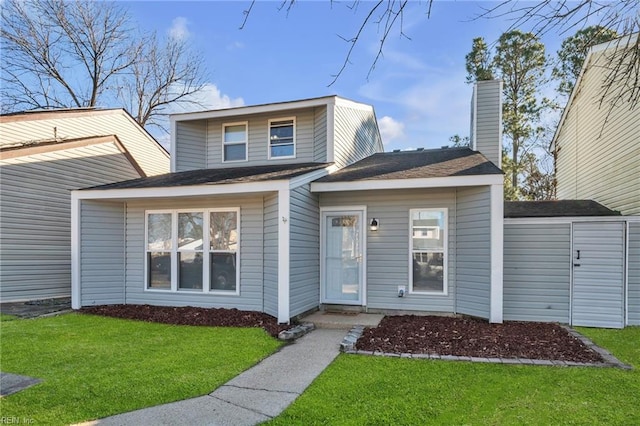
(417, 183)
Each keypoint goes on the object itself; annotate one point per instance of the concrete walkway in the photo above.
(255, 396)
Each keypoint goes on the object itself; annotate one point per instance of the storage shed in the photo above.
(571, 261)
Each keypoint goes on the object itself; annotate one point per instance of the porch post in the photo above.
(283, 255)
(497, 244)
(76, 303)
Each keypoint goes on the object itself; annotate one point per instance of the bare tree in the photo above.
(84, 54)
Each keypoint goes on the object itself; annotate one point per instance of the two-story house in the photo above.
(287, 207)
(43, 156)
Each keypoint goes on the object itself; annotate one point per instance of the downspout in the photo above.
(283, 256)
(497, 252)
(75, 251)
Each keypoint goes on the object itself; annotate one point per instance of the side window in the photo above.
(234, 142)
(428, 269)
(282, 141)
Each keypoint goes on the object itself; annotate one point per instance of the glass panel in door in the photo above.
(343, 257)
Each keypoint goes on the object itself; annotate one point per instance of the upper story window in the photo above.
(234, 142)
(428, 236)
(282, 140)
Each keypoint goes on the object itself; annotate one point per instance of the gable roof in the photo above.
(558, 208)
(23, 150)
(217, 176)
(54, 126)
(619, 43)
(420, 164)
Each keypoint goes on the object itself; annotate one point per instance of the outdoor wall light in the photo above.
(374, 224)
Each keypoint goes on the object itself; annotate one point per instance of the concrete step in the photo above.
(343, 320)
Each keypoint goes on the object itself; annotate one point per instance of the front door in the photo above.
(342, 257)
(598, 274)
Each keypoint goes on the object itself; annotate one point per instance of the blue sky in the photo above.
(418, 86)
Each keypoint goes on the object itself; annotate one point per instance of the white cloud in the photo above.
(210, 97)
(235, 45)
(178, 29)
(390, 129)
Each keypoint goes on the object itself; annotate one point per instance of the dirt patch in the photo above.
(189, 315)
(474, 337)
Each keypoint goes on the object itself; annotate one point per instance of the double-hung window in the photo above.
(428, 263)
(282, 140)
(234, 142)
(195, 250)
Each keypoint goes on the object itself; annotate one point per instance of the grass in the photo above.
(364, 390)
(94, 367)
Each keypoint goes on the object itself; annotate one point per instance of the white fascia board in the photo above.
(254, 109)
(497, 253)
(568, 219)
(76, 303)
(283, 256)
(182, 191)
(310, 177)
(377, 184)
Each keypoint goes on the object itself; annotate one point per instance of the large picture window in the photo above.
(282, 138)
(428, 269)
(234, 142)
(194, 251)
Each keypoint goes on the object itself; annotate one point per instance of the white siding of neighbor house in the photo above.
(304, 275)
(190, 152)
(473, 254)
(72, 125)
(388, 259)
(258, 143)
(251, 250)
(35, 225)
(598, 283)
(537, 272)
(598, 150)
(356, 134)
(633, 283)
(270, 263)
(102, 260)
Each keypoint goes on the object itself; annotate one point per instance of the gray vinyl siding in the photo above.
(320, 135)
(486, 135)
(258, 138)
(35, 217)
(598, 283)
(190, 152)
(102, 260)
(597, 147)
(356, 134)
(473, 252)
(250, 258)
(633, 283)
(270, 263)
(151, 157)
(537, 272)
(388, 259)
(304, 235)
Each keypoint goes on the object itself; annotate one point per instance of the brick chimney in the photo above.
(486, 120)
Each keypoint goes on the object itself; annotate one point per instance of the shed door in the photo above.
(598, 274)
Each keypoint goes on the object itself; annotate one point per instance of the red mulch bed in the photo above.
(474, 337)
(189, 315)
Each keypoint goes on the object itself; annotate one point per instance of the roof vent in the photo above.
(444, 146)
(420, 149)
(396, 150)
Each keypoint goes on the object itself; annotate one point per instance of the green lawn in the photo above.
(94, 367)
(365, 390)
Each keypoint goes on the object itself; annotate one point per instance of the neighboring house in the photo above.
(597, 146)
(43, 156)
(285, 207)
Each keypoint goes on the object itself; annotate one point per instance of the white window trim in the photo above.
(293, 119)
(206, 284)
(445, 250)
(245, 143)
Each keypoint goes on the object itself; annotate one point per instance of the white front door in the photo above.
(342, 257)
